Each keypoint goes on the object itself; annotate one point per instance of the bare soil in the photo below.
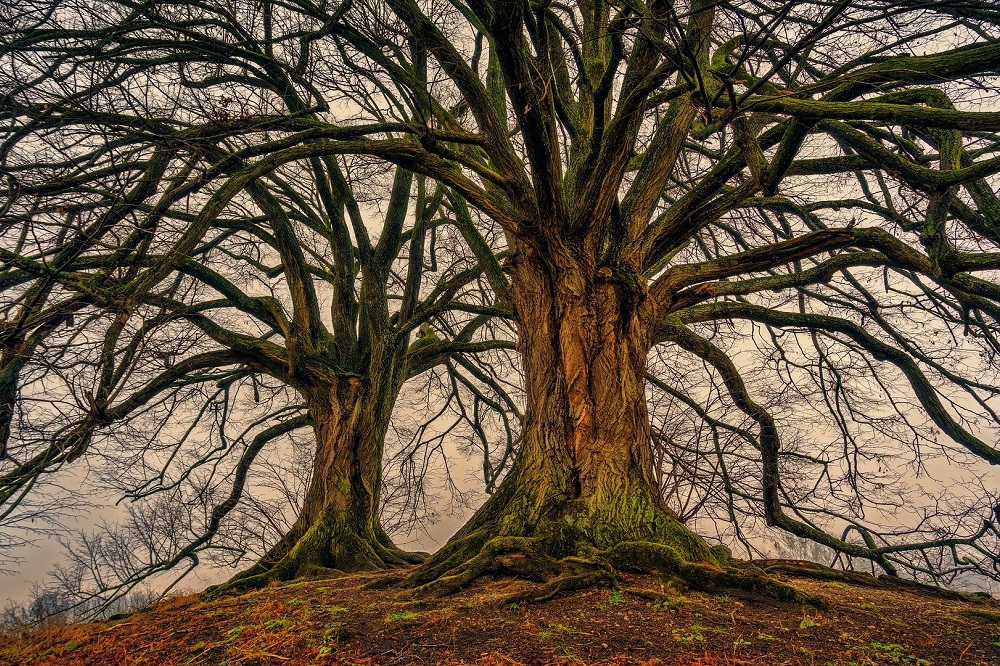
(354, 620)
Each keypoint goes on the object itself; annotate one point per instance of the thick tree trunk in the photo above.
(583, 481)
(338, 526)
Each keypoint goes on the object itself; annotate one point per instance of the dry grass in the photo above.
(341, 621)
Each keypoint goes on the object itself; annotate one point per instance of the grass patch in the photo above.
(234, 633)
(693, 634)
(404, 616)
(898, 654)
(671, 604)
(277, 624)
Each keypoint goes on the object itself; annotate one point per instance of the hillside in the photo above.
(357, 620)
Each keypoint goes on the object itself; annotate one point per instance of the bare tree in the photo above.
(807, 178)
(184, 286)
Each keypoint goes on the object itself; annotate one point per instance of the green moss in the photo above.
(404, 616)
(277, 624)
(332, 546)
(983, 614)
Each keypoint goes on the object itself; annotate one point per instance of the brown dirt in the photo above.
(346, 621)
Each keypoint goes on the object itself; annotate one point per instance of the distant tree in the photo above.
(806, 187)
(181, 287)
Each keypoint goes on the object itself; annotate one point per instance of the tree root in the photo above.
(526, 557)
(505, 555)
(238, 584)
(324, 550)
(806, 569)
(563, 583)
(648, 557)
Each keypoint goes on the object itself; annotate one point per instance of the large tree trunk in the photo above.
(338, 526)
(583, 480)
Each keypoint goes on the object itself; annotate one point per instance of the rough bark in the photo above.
(338, 527)
(580, 502)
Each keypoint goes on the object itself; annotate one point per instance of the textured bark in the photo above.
(338, 527)
(583, 481)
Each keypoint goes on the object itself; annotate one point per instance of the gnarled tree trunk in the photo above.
(338, 526)
(583, 482)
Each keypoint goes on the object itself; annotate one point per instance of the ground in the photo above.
(357, 620)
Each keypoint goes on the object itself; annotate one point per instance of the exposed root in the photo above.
(563, 583)
(647, 557)
(806, 569)
(516, 556)
(238, 585)
(385, 580)
(649, 595)
(527, 557)
(409, 556)
(326, 549)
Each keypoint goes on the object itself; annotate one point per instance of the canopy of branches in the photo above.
(749, 251)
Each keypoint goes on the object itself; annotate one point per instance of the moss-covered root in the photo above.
(503, 555)
(648, 557)
(326, 549)
(526, 557)
(566, 582)
(238, 585)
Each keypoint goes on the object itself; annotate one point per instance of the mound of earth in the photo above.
(357, 619)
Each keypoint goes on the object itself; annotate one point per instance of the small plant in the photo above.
(334, 633)
(726, 598)
(295, 602)
(807, 623)
(870, 607)
(996, 643)
(739, 642)
(557, 629)
(766, 637)
(405, 616)
(565, 652)
(325, 651)
(277, 624)
(337, 609)
(234, 633)
(72, 645)
(513, 606)
(616, 598)
(898, 654)
(671, 604)
(692, 634)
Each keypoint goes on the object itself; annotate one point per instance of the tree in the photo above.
(654, 169)
(182, 287)
(647, 165)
